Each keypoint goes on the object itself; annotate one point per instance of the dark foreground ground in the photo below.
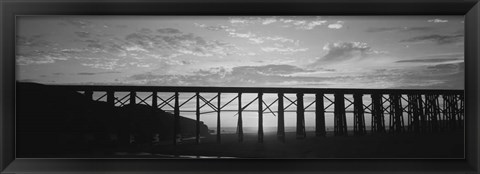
(433, 145)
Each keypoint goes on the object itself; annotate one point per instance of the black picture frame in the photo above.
(11, 8)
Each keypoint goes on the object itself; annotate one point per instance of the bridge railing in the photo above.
(407, 110)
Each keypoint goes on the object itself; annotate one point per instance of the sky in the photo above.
(404, 52)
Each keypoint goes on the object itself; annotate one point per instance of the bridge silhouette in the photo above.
(424, 110)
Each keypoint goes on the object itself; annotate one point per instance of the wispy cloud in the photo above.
(252, 37)
(77, 22)
(283, 49)
(297, 22)
(137, 49)
(397, 29)
(97, 73)
(346, 50)
(82, 34)
(435, 58)
(32, 41)
(213, 28)
(337, 25)
(427, 60)
(266, 75)
(437, 20)
(436, 38)
(350, 56)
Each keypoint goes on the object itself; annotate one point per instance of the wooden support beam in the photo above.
(431, 111)
(154, 100)
(462, 110)
(132, 98)
(422, 113)
(197, 119)
(414, 112)
(240, 121)
(358, 114)
(300, 117)
(176, 120)
(396, 113)
(89, 95)
(219, 105)
(378, 121)
(111, 98)
(339, 115)
(319, 115)
(281, 119)
(260, 117)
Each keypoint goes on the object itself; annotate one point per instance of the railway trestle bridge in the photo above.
(424, 110)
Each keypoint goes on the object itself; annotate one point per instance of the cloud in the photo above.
(427, 60)
(82, 34)
(171, 41)
(436, 38)
(283, 49)
(337, 25)
(97, 73)
(346, 50)
(437, 20)
(281, 75)
(239, 20)
(267, 21)
(435, 58)
(304, 24)
(397, 29)
(266, 75)
(145, 48)
(169, 31)
(444, 67)
(312, 24)
(350, 57)
(440, 76)
(38, 57)
(297, 22)
(213, 28)
(77, 22)
(260, 39)
(32, 41)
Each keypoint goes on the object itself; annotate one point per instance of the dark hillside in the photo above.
(55, 121)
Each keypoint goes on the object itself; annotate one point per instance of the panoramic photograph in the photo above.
(270, 87)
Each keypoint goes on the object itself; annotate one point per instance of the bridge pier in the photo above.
(111, 98)
(300, 117)
(414, 112)
(358, 115)
(319, 115)
(89, 95)
(260, 117)
(451, 111)
(378, 121)
(176, 120)
(280, 119)
(197, 118)
(219, 108)
(431, 112)
(462, 110)
(132, 98)
(240, 121)
(340, 123)
(396, 113)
